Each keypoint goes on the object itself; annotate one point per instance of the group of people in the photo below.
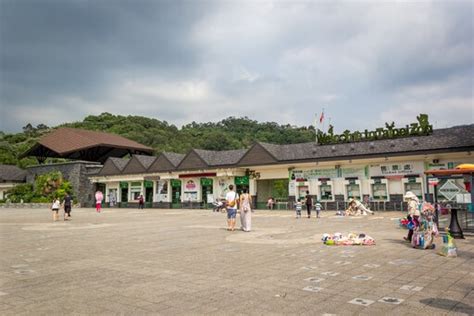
(243, 203)
(66, 204)
(308, 202)
(421, 226)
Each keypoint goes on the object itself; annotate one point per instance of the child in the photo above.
(299, 206)
(55, 208)
(318, 208)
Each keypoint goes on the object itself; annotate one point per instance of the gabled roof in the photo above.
(174, 158)
(260, 153)
(221, 158)
(146, 161)
(138, 164)
(113, 166)
(74, 143)
(166, 162)
(11, 173)
(192, 161)
(447, 140)
(205, 159)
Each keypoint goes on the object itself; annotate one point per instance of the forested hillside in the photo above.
(230, 133)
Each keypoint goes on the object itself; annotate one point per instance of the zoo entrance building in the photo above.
(380, 171)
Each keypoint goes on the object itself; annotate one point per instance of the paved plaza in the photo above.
(172, 262)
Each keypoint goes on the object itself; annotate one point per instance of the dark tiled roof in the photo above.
(221, 158)
(146, 161)
(454, 138)
(120, 163)
(64, 140)
(73, 143)
(174, 158)
(10, 173)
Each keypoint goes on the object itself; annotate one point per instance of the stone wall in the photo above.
(76, 172)
(30, 205)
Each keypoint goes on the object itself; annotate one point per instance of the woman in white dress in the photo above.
(246, 211)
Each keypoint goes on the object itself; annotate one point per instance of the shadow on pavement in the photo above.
(448, 304)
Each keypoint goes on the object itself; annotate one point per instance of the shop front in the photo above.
(148, 187)
(207, 189)
(241, 183)
(162, 196)
(175, 193)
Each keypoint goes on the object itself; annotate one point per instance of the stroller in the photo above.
(219, 206)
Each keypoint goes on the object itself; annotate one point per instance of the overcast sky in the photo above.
(365, 63)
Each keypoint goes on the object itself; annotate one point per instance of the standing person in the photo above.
(55, 208)
(318, 208)
(413, 212)
(231, 202)
(98, 201)
(246, 211)
(67, 206)
(298, 207)
(309, 203)
(141, 202)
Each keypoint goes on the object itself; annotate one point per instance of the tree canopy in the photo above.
(229, 133)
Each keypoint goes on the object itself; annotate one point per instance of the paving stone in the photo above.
(181, 262)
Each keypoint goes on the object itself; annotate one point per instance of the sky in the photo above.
(363, 62)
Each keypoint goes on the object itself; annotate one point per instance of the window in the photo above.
(353, 191)
(379, 191)
(415, 188)
(326, 192)
(135, 190)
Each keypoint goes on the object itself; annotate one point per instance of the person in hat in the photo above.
(413, 212)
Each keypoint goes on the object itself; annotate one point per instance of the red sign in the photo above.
(433, 181)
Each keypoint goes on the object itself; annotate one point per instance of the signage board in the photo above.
(449, 190)
(433, 181)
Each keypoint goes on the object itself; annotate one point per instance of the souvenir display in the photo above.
(425, 230)
(449, 247)
(351, 239)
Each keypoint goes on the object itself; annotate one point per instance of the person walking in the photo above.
(318, 207)
(141, 202)
(67, 206)
(55, 208)
(309, 203)
(246, 211)
(298, 207)
(231, 202)
(413, 213)
(98, 201)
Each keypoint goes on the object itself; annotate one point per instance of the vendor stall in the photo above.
(446, 184)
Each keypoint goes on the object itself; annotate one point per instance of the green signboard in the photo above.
(242, 180)
(206, 182)
(136, 184)
(420, 128)
(175, 183)
(412, 180)
(148, 184)
(123, 185)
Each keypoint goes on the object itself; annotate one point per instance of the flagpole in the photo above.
(315, 129)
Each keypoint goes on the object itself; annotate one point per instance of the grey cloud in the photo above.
(206, 60)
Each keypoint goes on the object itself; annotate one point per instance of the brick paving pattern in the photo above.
(173, 262)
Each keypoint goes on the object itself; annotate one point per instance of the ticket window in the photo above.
(302, 191)
(379, 191)
(353, 191)
(416, 188)
(325, 190)
(135, 190)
